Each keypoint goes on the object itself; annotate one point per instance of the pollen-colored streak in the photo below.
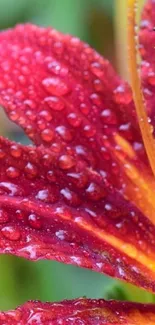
(125, 145)
(140, 189)
(144, 125)
(140, 186)
(124, 247)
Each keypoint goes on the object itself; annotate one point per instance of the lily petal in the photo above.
(55, 207)
(147, 41)
(68, 199)
(80, 311)
(54, 85)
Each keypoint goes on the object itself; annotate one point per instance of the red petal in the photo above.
(54, 206)
(67, 202)
(54, 86)
(147, 41)
(80, 311)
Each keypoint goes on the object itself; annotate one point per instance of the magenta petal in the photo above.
(80, 312)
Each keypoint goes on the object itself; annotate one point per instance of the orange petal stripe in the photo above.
(140, 187)
(146, 129)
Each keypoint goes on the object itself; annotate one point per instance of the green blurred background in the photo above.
(102, 24)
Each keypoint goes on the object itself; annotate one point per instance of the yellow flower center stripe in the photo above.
(124, 247)
(140, 186)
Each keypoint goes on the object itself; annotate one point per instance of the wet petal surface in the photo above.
(54, 86)
(68, 199)
(53, 208)
(80, 312)
(147, 50)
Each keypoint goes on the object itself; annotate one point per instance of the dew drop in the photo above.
(98, 85)
(10, 188)
(79, 179)
(41, 124)
(66, 193)
(11, 233)
(57, 68)
(97, 69)
(19, 215)
(96, 100)
(15, 151)
(55, 103)
(13, 116)
(55, 86)
(47, 159)
(50, 176)
(108, 117)
(31, 170)
(84, 109)
(122, 95)
(105, 153)
(46, 115)
(54, 67)
(3, 216)
(64, 132)
(34, 221)
(74, 120)
(2, 154)
(151, 78)
(56, 147)
(66, 162)
(42, 195)
(12, 172)
(47, 135)
(89, 131)
(30, 103)
(94, 192)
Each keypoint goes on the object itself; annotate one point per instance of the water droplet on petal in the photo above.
(151, 78)
(56, 86)
(89, 131)
(97, 69)
(108, 116)
(123, 95)
(46, 115)
(3, 216)
(2, 154)
(34, 221)
(74, 120)
(70, 197)
(42, 195)
(15, 151)
(79, 179)
(47, 135)
(95, 192)
(66, 193)
(96, 100)
(19, 214)
(66, 162)
(84, 109)
(98, 85)
(50, 176)
(64, 132)
(12, 172)
(31, 170)
(13, 116)
(55, 103)
(11, 233)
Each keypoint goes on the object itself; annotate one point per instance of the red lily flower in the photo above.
(84, 193)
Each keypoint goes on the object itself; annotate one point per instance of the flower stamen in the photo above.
(145, 127)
